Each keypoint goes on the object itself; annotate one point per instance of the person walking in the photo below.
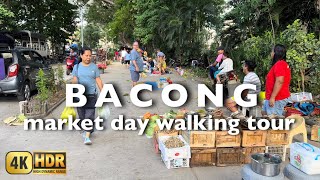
(87, 74)
(136, 65)
(277, 83)
(123, 55)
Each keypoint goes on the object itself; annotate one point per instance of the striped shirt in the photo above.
(252, 78)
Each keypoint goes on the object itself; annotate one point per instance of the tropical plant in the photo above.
(42, 86)
(6, 17)
(53, 18)
(303, 56)
(303, 53)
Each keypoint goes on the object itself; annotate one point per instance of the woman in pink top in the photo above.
(213, 67)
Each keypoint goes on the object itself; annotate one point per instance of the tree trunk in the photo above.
(302, 79)
(273, 33)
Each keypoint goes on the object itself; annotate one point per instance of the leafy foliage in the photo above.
(254, 17)
(6, 17)
(122, 25)
(47, 17)
(92, 35)
(42, 86)
(176, 26)
(302, 55)
(60, 76)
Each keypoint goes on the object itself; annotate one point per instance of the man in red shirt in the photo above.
(277, 83)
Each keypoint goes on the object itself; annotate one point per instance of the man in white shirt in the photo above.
(225, 67)
(123, 55)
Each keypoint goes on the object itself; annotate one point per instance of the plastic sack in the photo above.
(68, 111)
(104, 112)
(150, 129)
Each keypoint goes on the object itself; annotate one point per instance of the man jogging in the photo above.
(87, 74)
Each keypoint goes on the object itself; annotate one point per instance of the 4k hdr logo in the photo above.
(41, 162)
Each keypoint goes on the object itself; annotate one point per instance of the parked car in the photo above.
(20, 67)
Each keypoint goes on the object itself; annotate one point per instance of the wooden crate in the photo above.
(200, 139)
(223, 139)
(203, 157)
(164, 133)
(315, 133)
(229, 156)
(253, 138)
(247, 151)
(277, 137)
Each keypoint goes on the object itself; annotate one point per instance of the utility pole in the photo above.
(81, 18)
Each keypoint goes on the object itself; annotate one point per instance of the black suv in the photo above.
(19, 68)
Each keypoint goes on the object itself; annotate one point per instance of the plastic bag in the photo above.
(104, 112)
(68, 111)
(150, 129)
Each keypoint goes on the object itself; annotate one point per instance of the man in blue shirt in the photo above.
(136, 65)
(87, 74)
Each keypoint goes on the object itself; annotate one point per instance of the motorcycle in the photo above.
(70, 64)
(230, 82)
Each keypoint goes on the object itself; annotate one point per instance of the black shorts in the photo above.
(127, 62)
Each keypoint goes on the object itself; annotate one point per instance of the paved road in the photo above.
(10, 105)
(113, 154)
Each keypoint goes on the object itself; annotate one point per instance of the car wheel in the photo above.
(25, 93)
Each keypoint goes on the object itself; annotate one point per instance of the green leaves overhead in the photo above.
(47, 17)
(175, 25)
(6, 17)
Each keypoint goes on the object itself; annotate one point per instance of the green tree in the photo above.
(254, 17)
(303, 57)
(91, 35)
(176, 25)
(53, 18)
(303, 53)
(6, 18)
(122, 25)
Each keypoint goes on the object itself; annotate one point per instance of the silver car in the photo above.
(20, 67)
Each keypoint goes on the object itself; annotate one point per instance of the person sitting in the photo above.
(225, 67)
(214, 66)
(250, 78)
(162, 66)
(151, 63)
(74, 55)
